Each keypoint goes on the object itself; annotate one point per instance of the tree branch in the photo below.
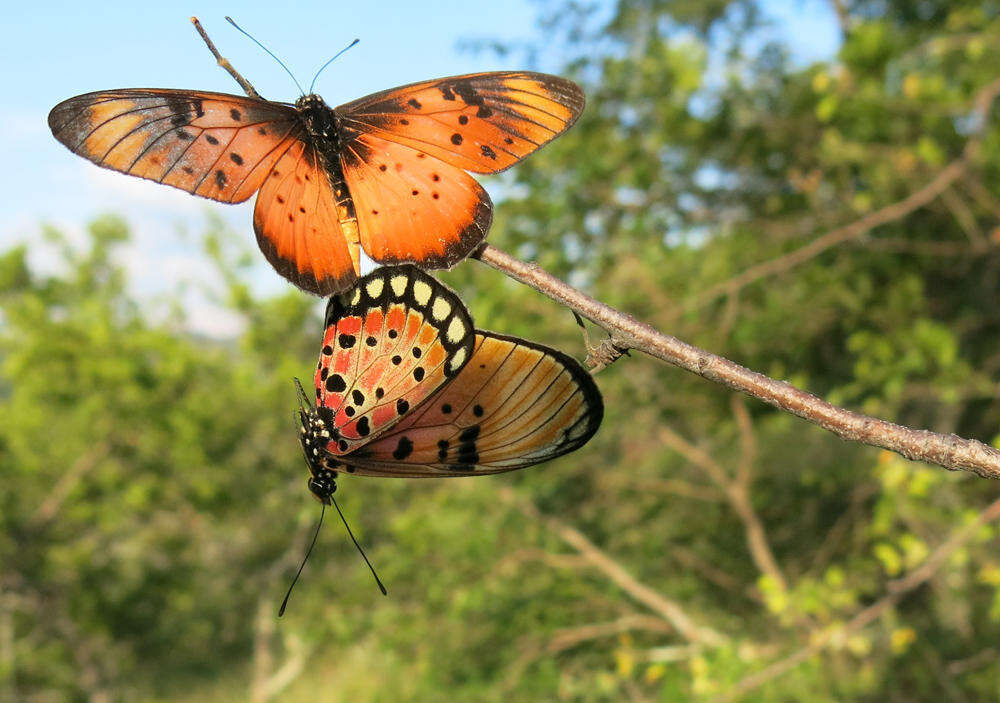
(950, 451)
(897, 589)
(569, 637)
(658, 603)
(739, 499)
(942, 181)
(224, 62)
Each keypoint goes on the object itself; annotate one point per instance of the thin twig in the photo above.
(224, 62)
(739, 499)
(655, 601)
(963, 215)
(67, 482)
(897, 589)
(569, 637)
(950, 451)
(843, 16)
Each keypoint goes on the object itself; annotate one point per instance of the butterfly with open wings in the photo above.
(386, 173)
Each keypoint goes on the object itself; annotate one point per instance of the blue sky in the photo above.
(68, 48)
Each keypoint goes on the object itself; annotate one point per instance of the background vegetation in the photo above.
(702, 546)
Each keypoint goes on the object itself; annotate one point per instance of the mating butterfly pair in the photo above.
(405, 386)
(386, 173)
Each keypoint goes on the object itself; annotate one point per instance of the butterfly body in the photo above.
(386, 173)
(406, 386)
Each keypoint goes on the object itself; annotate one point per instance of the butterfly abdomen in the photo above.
(324, 130)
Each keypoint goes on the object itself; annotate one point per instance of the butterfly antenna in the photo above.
(269, 52)
(330, 62)
(284, 603)
(353, 539)
(303, 398)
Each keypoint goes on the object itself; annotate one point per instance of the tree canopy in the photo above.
(834, 224)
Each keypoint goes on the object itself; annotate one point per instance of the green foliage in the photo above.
(156, 505)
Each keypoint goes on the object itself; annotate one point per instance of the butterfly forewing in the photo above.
(481, 122)
(411, 207)
(210, 144)
(513, 405)
(390, 343)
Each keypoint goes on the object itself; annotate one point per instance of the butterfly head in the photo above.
(320, 120)
(314, 435)
(310, 101)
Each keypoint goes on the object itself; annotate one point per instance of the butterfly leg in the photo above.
(600, 356)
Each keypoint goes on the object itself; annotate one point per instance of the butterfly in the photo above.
(406, 386)
(385, 173)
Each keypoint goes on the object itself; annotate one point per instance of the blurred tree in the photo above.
(835, 224)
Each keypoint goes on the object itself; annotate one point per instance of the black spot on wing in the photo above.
(363, 427)
(403, 449)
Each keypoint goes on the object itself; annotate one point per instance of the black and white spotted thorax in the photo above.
(314, 436)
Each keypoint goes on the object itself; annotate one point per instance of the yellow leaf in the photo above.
(911, 86)
(821, 81)
(624, 663)
(654, 673)
(902, 638)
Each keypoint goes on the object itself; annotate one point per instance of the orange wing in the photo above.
(211, 144)
(411, 207)
(514, 404)
(297, 226)
(481, 122)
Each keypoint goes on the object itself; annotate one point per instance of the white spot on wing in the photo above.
(374, 287)
(456, 330)
(421, 292)
(457, 360)
(440, 309)
(398, 285)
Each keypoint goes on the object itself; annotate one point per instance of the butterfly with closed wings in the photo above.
(406, 387)
(385, 173)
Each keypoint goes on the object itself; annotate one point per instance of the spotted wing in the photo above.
(297, 224)
(514, 404)
(480, 122)
(211, 144)
(411, 207)
(391, 341)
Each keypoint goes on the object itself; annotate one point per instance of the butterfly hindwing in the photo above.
(513, 405)
(211, 144)
(480, 122)
(297, 224)
(390, 342)
(411, 207)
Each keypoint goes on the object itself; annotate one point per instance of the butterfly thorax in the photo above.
(314, 437)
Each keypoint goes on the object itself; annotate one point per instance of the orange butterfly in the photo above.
(386, 173)
(406, 386)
